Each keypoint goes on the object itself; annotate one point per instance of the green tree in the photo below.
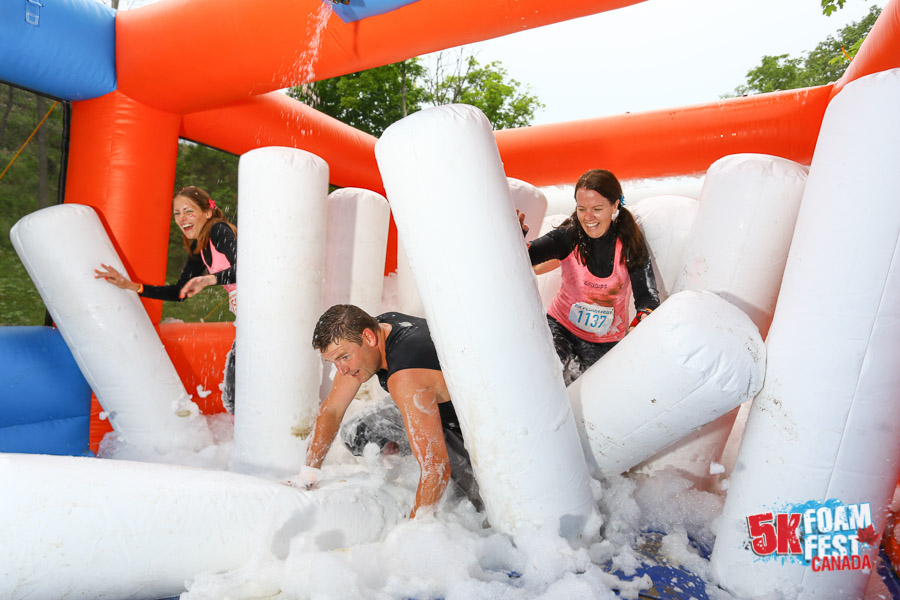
(369, 100)
(488, 88)
(829, 6)
(373, 99)
(30, 182)
(824, 64)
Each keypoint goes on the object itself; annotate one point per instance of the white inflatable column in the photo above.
(549, 282)
(825, 426)
(355, 246)
(107, 329)
(531, 201)
(666, 222)
(740, 237)
(94, 528)
(736, 248)
(692, 360)
(486, 317)
(408, 300)
(281, 258)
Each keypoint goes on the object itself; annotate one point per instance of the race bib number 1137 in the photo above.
(591, 317)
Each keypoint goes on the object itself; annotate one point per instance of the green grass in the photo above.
(20, 303)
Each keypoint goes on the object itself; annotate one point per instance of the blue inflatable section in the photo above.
(45, 402)
(360, 9)
(61, 48)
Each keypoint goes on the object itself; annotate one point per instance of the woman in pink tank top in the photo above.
(605, 264)
(211, 243)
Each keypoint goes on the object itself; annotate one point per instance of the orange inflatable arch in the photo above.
(209, 71)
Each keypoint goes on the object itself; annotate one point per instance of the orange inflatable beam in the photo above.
(198, 352)
(667, 142)
(188, 55)
(122, 162)
(275, 119)
(881, 49)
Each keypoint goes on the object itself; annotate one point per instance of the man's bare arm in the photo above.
(416, 393)
(328, 420)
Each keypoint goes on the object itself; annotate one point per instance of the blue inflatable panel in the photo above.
(41, 386)
(360, 9)
(68, 437)
(61, 48)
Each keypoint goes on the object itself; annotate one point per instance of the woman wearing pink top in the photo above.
(211, 243)
(604, 262)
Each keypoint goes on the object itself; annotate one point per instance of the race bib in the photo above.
(232, 301)
(591, 318)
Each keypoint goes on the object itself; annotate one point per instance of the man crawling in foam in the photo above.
(398, 349)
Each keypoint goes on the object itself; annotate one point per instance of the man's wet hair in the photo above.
(342, 322)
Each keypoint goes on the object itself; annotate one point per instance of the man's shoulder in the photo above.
(395, 317)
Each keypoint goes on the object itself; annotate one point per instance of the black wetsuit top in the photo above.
(223, 238)
(408, 346)
(559, 243)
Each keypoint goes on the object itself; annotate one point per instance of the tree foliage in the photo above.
(369, 100)
(484, 86)
(829, 6)
(824, 64)
(373, 99)
(31, 182)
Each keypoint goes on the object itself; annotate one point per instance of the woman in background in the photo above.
(211, 244)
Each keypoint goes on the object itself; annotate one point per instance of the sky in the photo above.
(659, 53)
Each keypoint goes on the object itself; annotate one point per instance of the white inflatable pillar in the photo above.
(825, 426)
(549, 282)
(355, 247)
(281, 258)
(666, 223)
(92, 528)
(737, 246)
(107, 329)
(486, 317)
(692, 360)
(740, 237)
(531, 201)
(408, 300)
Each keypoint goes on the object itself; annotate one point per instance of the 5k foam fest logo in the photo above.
(829, 536)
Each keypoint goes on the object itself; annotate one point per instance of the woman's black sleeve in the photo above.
(643, 285)
(223, 238)
(555, 244)
(194, 267)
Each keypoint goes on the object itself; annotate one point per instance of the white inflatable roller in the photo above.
(531, 201)
(549, 282)
(408, 300)
(281, 259)
(92, 528)
(107, 329)
(736, 247)
(486, 317)
(355, 246)
(741, 235)
(525, 197)
(692, 360)
(665, 222)
(825, 426)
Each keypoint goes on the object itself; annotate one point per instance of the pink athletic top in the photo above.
(220, 262)
(593, 308)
